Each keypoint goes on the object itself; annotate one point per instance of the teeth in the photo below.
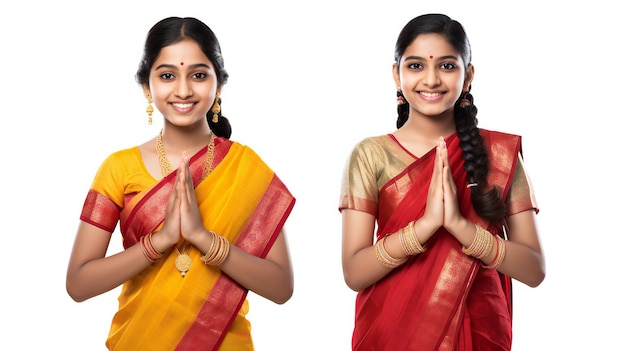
(430, 94)
(183, 106)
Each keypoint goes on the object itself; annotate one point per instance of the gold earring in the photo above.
(149, 110)
(216, 109)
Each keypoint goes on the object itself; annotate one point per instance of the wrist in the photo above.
(461, 228)
(424, 229)
(161, 242)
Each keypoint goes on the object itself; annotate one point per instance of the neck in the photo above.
(432, 127)
(177, 139)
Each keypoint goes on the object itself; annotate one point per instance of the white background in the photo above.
(308, 80)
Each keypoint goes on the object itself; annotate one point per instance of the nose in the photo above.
(183, 88)
(431, 77)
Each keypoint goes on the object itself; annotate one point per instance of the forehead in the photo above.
(430, 44)
(183, 53)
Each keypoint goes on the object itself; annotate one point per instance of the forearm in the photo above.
(365, 268)
(522, 263)
(262, 276)
(517, 260)
(104, 274)
(270, 277)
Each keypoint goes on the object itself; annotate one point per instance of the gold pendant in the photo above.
(183, 263)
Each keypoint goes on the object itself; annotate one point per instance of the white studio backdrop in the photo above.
(307, 81)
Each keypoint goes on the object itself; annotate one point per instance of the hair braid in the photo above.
(487, 202)
(403, 111)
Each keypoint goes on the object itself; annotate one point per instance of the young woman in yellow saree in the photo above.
(196, 238)
(451, 207)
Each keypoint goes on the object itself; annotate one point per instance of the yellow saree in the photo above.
(242, 199)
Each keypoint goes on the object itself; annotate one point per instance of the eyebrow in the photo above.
(447, 57)
(194, 66)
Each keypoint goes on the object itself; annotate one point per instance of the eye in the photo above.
(415, 66)
(167, 76)
(448, 66)
(199, 75)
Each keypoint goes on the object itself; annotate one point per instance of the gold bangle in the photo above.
(500, 253)
(218, 252)
(408, 240)
(481, 245)
(384, 257)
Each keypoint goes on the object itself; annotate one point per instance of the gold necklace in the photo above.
(166, 168)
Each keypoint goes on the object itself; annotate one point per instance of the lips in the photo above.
(430, 96)
(183, 107)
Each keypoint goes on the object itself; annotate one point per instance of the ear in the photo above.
(469, 76)
(396, 75)
(146, 90)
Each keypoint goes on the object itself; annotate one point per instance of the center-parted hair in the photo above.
(172, 30)
(486, 199)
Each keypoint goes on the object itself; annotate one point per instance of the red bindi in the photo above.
(431, 57)
(182, 63)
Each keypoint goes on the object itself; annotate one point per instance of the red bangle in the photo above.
(148, 248)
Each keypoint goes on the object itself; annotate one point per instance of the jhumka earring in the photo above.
(149, 110)
(216, 109)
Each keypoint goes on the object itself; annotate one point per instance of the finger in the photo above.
(184, 181)
(448, 180)
(190, 195)
(174, 198)
(437, 164)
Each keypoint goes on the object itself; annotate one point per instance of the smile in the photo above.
(182, 106)
(430, 95)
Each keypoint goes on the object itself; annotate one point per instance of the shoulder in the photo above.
(370, 153)
(119, 160)
(235, 152)
(123, 155)
(498, 136)
(501, 140)
(371, 144)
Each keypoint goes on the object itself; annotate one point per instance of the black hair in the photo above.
(172, 30)
(486, 201)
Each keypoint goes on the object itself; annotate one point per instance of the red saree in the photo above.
(441, 299)
(243, 200)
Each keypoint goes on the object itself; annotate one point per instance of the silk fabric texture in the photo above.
(441, 299)
(242, 199)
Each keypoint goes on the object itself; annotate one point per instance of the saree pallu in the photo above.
(241, 199)
(440, 299)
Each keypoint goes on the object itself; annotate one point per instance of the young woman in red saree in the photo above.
(451, 207)
(198, 236)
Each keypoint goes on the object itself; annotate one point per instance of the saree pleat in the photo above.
(423, 304)
(243, 200)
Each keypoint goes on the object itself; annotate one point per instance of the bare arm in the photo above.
(89, 273)
(271, 277)
(361, 268)
(524, 260)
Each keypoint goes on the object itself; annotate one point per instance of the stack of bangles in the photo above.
(482, 246)
(410, 246)
(218, 252)
(151, 253)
